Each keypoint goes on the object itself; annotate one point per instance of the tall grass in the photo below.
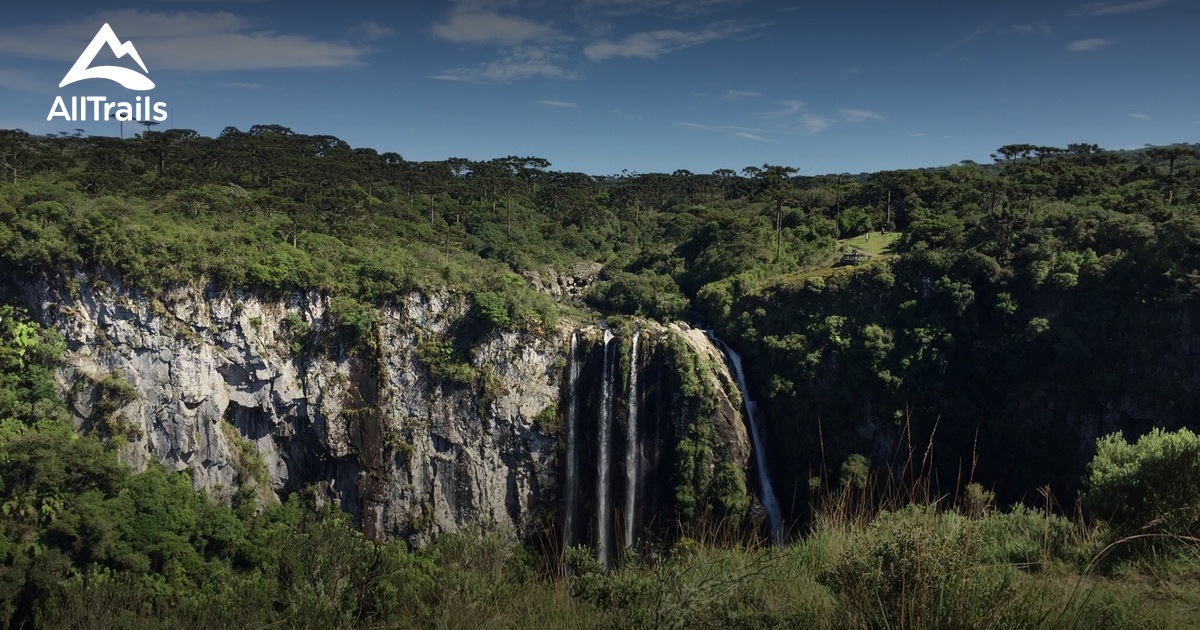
(884, 550)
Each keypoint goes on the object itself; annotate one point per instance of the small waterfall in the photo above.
(604, 439)
(572, 432)
(631, 446)
(769, 502)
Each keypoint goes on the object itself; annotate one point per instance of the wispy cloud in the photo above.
(564, 104)
(1026, 30)
(654, 44)
(671, 8)
(1118, 8)
(184, 41)
(966, 39)
(371, 31)
(1087, 45)
(524, 48)
(751, 136)
(243, 85)
(916, 135)
(814, 124)
(749, 133)
(788, 108)
(527, 45)
(859, 115)
(527, 62)
(1139, 116)
(727, 128)
(792, 117)
(733, 95)
(467, 26)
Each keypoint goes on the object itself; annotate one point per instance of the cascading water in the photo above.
(604, 439)
(769, 502)
(631, 446)
(572, 432)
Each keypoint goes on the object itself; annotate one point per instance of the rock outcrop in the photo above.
(413, 434)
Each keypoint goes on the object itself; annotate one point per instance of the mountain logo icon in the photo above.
(130, 79)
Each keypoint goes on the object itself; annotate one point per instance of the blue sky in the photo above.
(653, 85)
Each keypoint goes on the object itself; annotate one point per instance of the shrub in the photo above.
(445, 362)
(917, 568)
(113, 393)
(492, 308)
(647, 294)
(1153, 483)
(1026, 536)
(349, 313)
(854, 472)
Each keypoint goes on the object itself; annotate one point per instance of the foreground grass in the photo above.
(916, 567)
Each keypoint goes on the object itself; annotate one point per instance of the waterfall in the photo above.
(604, 439)
(769, 502)
(572, 431)
(631, 446)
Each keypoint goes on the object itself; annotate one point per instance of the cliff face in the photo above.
(259, 398)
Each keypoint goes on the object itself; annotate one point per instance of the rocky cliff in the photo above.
(396, 423)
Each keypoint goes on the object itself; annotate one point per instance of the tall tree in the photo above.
(775, 186)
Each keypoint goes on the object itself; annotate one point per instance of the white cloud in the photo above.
(748, 133)
(485, 27)
(789, 108)
(522, 63)
(1115, 8)
(859, 115)
(723, 128)
(916, 135)
(814, 124)
(1041, 28)
(371, 31)
(731, 95)
(653, 44)
(1139, 116)
(243, 85)
(793, 118)
(184, 41)
(565, 104)
(674, 8)
(966, 39)
(1085, 45)
(751, 136)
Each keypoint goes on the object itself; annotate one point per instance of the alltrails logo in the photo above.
(143, 109)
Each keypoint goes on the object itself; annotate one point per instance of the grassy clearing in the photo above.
(872, 243)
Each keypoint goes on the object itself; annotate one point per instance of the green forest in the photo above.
(981, 381)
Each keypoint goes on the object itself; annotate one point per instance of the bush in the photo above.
(1151, 484)
(1026, 536)
(918, 568)
(492, 308)
(647, 294)
(351, 314)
